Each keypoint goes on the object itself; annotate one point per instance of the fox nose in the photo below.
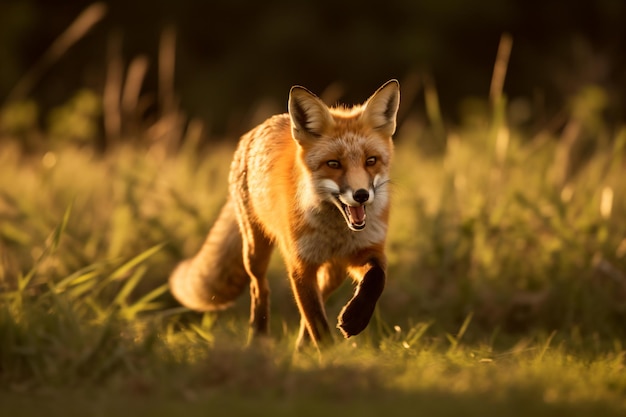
(361, 195)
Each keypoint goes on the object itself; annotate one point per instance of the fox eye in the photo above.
(334, 164)
(370, 161)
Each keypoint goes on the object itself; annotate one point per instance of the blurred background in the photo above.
(118, 121)
(231, 63)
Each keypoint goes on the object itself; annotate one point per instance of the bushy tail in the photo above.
(215, 277)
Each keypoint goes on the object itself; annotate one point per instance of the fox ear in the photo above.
(309, 115)
(382, 107)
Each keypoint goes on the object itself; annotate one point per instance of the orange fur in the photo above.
(313, 182)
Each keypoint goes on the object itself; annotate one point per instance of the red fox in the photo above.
(315, 182)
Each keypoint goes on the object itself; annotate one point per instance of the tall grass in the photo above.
(470, 233)
(500, 239)
(476, 229)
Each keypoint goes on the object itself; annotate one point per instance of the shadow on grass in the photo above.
(228, 380)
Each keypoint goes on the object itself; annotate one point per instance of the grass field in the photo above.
(507, 289)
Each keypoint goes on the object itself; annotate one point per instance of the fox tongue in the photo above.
(357, 214)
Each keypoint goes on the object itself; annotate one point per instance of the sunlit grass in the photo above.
(152, 368)
(507, 290)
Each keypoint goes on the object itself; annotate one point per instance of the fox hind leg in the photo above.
(256, 256)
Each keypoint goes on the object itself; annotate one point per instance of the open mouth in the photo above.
(355, 216)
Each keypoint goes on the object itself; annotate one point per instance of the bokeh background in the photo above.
(118, 121)
(234, 61)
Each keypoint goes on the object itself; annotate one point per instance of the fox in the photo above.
(314, 182)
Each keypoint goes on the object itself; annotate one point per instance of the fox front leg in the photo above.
(314, 325)
(356, 315)
(329, 277)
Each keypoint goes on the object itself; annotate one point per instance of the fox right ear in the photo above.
(309, 115)
(382, 107)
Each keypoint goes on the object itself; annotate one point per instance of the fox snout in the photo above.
(361, 195)
(352, 205)
(357, 197)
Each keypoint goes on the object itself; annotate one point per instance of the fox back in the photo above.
(314, 182)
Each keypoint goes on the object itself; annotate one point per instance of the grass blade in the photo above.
(124, 269)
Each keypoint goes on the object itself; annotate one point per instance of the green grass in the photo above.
(507, 289)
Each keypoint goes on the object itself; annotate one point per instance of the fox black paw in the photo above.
(353, 319)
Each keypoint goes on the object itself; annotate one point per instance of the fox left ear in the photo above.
(382, 107)
(309, 115)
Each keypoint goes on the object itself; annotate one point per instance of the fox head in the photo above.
(347, 151)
